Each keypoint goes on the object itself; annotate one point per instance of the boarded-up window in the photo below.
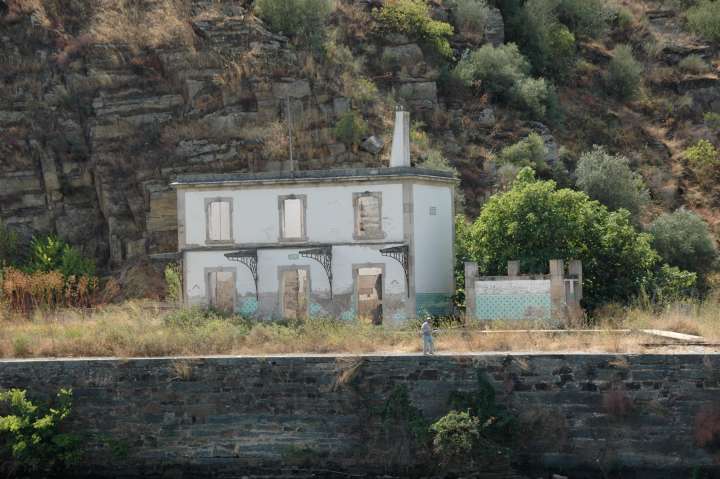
(294, 292)
(219, 220)
(292, 221)
(369, 291)
(221, 289)
(368, 219)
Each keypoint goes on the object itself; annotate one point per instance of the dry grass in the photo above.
(143, 329)
(140, 24)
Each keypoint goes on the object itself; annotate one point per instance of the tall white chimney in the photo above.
(400, 153)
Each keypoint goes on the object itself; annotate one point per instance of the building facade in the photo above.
(362, 243)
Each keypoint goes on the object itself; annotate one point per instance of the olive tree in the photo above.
(609, 179)
(683, 239)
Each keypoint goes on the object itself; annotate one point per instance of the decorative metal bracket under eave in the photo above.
(322, 255)
(401, 255)
(249, 258)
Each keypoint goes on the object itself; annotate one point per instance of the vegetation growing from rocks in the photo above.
(304, 19)
(624, 73)
(704, 19)
(9, 247)
(530, 151)
(456, 434)
(412, 18)
(37, 441)
(173, 282)
(625, 190)
(704, 160)
(351, 128)
(471, 17)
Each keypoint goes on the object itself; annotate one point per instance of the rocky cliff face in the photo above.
(98, 112)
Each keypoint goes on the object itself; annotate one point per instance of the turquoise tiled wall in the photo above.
(513, 306)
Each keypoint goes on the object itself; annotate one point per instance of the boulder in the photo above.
(486, 118)
(419, 95)
(402, 56)
(372, 144)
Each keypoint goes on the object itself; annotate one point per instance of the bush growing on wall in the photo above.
(412, 18)
(173, 282)
(456, 434)
(530, 151)
(37, 444)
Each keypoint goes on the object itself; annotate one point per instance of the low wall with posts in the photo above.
(582, 415)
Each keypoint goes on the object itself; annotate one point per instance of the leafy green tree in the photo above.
(590, 18)
(471, 16)
(683, 239)
(49, 253)
(549, 44)
(610, 180)
(301, 18)
(624, 73)
(535, 222)
(412, 17)
(35, 441)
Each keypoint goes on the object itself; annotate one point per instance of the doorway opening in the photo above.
(221, 289)
(369, 294)
(294, 293)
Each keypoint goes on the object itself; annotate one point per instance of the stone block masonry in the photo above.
(580, 415)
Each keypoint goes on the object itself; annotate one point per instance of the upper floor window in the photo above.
(368, 215)
(292, 217)
(219, 220)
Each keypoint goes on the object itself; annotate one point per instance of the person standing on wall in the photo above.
(426, 332)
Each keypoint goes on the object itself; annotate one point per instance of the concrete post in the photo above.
(575, 269)
(557, 287)
(471, 273)
(513, 268)
(400, 152)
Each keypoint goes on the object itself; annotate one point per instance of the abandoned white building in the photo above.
(372, 243)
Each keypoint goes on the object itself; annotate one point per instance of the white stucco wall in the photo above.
(329, 214)
(433, 238)
(270, 260)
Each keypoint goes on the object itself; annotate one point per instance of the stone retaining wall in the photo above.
(582, 415)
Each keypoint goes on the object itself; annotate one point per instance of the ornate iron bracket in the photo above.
(322, 255)
(248, 257)
(401, 255)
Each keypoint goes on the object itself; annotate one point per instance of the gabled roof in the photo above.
(308, 176)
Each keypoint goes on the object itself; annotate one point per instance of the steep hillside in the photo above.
(102, 102)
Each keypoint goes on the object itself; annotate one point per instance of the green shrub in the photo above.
(624, 73)
(532, 96)
(671, 284)
(301, 18)
(49, 253)
(683, 239)
(351, 128)
(412, 18)
(704, 19)
(626, 190)
(400, 411)
(190, 318)
(173, 282)
(590, 18)
(33, 432)
(712, 120)
(549, 44)
(471, 16)
(456, 434)
(694, 64)
(624, 18)
(530, 151)
(497, 69)
(703, 156)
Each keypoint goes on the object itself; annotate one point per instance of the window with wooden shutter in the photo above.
(219, 220)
